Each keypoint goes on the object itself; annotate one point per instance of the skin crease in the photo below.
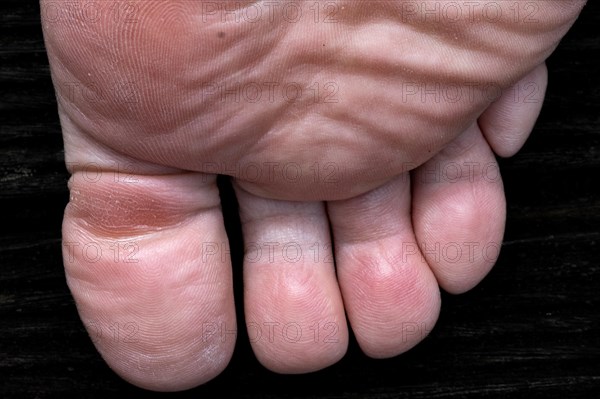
(319, 121)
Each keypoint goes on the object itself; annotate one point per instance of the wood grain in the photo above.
(531, 329)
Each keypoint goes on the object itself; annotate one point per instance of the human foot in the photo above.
(360, 132)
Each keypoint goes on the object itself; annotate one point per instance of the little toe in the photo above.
(508, 122)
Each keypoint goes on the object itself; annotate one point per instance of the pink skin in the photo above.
(355, 159)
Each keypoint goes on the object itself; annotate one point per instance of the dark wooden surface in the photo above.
(531, 329)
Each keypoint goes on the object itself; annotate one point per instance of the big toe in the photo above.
(140, 260)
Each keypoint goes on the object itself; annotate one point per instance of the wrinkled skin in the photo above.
(328, 116)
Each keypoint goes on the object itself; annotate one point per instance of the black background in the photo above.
(531, 329)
